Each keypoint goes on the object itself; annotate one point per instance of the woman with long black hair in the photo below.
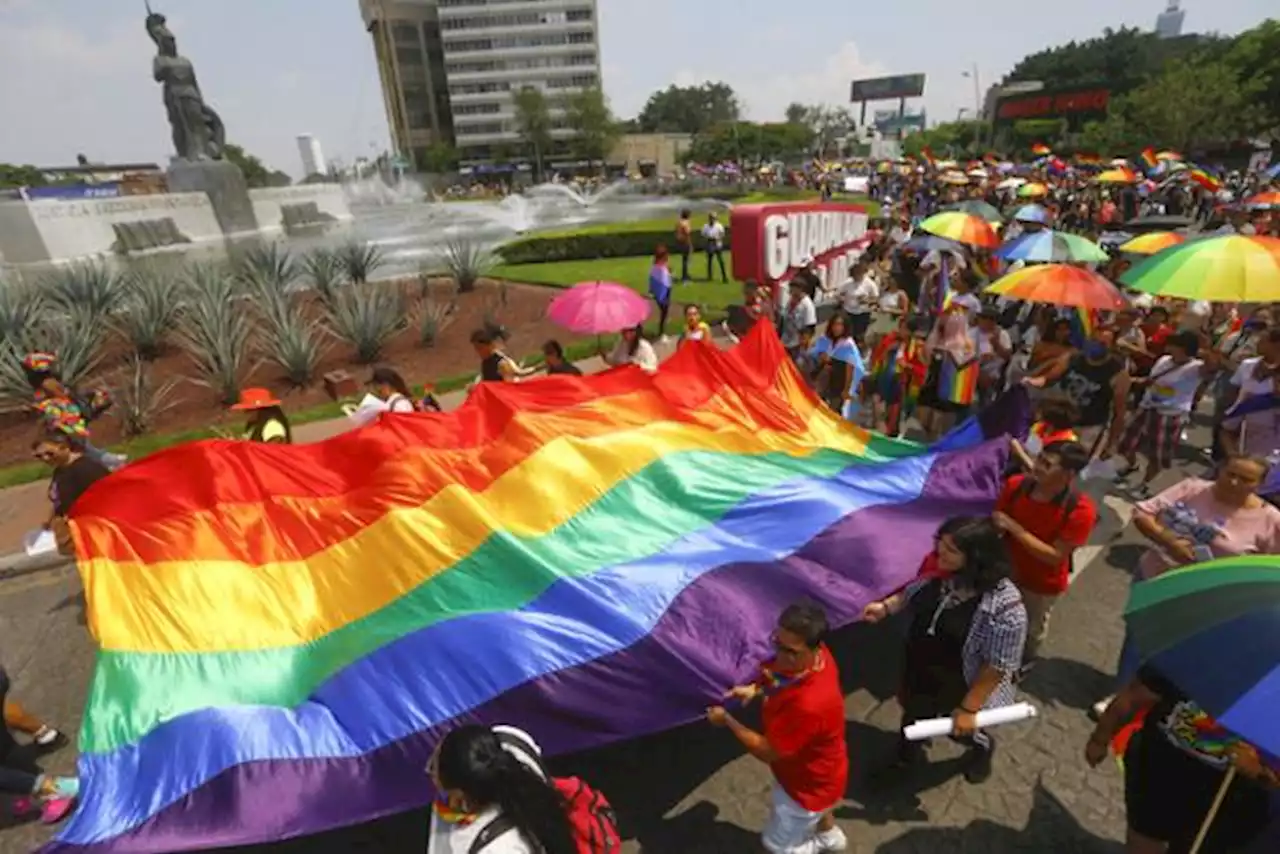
(495, 796)
(966, 638)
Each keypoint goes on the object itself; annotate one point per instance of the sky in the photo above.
(76, 74)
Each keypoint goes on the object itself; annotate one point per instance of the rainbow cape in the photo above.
(285, 632)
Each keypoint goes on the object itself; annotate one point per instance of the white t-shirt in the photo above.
(448, 838)
(1250, 385)
(796, 318)
(1172, 389)
(969, 303)
(994, 365)
(399, 403)
(644, 356)
(1142, 301)
(893, 301)
(857, 297)
(713, 233)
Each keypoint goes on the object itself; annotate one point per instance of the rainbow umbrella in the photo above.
(1152, 242)
(1169, 155)
(1213, 629)
(962, 228)
(1117, 176)
(1032, 213)
(1229, 268)
(978, 208)
(1033, 190)
(1052, 246)
(1060, 284)
(1269, 200)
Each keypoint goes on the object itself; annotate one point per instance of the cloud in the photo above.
(80, 88)
(766, 88)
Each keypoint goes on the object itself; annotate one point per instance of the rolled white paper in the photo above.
(39, 542)
(938, 727)
(367, 410)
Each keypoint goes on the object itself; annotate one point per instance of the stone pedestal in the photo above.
(224, 184)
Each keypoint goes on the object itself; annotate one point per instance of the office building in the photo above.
(406, 45)
(1169, 22)
(472, 58)
(312, 156)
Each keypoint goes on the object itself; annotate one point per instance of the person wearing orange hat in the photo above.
(267, 421)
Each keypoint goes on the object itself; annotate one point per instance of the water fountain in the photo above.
(375, 191)
(586, 198)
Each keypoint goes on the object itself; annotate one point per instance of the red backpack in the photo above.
(595, 829)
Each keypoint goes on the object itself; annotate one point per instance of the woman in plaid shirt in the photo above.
(966, 637)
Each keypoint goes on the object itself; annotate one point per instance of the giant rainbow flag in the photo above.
(285, 632)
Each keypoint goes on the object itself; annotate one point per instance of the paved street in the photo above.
(692, 791)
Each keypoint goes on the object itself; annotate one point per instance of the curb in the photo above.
(19, 564)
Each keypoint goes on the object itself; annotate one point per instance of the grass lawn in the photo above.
(666, 223)
(633, 272)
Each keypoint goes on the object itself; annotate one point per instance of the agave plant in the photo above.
(216, 332)
(92, 286)
(288, 338)
(367, 319)
(467, 261)
(140, 400)
(23, 309)
(76, 336)
(14, 387)
(324, 270)
(359, 260)
(433, 317)
(268, 266)
(151, 310)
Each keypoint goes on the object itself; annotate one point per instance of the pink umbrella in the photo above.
(594, 308)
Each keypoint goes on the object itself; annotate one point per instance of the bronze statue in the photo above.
(198, 133)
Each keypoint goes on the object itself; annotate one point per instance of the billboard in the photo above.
(72, 192)
(1075, 105)
(887, 88)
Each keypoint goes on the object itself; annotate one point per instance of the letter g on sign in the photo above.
(777, 247)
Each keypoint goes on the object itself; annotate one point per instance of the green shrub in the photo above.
(588, 247)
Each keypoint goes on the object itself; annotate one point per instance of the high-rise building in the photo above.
(406, 44)
(312, 155)
(475, 55)
(1169, 22)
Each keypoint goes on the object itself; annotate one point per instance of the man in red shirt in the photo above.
(803, 740)
(1045, 518)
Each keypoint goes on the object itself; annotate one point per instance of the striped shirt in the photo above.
(996, 637)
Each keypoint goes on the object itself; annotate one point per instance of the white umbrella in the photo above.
(1011, 183)
(977, 173)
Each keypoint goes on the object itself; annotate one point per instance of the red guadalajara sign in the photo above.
(772, 242)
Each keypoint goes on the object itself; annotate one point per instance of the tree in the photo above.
(956, 140)
(1189, 104)
(439, 157)
(751, 143)
(1254, 56)
(689, 109)
(797, 114)
(826, 123)
(12, 176)
(533, 118)
(596, 131)
(256, 173)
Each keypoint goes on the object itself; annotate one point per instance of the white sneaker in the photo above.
(832, 840)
